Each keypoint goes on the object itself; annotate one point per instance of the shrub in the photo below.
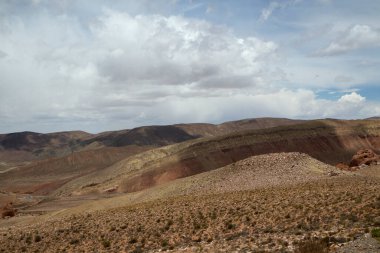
(376, 233)
(37, 238)
(28, 239)
(74, 241)
(313, 246)
(164, 243)
(106, 244)
(133, 240)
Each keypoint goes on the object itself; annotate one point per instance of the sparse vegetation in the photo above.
(37, 238)
(376, 233)
(106, 243)
(252, 219)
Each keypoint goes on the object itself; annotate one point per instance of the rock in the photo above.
(376, 221)
(342, 166)
(332, 173)
(8, 210)
(364, 157)
(112, 189)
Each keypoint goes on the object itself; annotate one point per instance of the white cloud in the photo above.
(356, 37)
(353, 97)
(274, 5)
(123, 64)
(282, 103)
(267, 12)
(117, 70)
(176, 51)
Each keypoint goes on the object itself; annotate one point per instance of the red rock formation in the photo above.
(366, 157)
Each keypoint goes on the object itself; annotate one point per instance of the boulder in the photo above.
(8, 210)
(342, 166)
(111, 189)
(364, 157)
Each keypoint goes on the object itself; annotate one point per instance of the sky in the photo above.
(98, 65)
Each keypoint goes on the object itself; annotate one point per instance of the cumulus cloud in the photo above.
(356, 37)
(120, 64)
(353, 98)
(113, 70)
(176, 51)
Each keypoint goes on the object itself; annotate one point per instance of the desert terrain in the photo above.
(255, 185)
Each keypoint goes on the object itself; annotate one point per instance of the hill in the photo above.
(43, 176)
(330, 141)
(312, 214)
(29, 146)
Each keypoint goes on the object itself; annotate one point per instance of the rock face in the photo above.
(8, 210)
(364, 157)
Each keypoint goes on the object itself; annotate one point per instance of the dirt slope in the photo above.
(307, 217)
(329, 141)
(256, 172)
(44, 176)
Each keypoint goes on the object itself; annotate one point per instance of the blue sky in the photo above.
(103, 65)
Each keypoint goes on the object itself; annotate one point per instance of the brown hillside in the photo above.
(28, 146)
(330, 141)
(210, 130)
(256, 172)
(42, 177)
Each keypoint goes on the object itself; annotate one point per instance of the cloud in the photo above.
(267, 12)
(120, 64)
(99, 69)
(3, 54)
(298, 103)
(343, 79)
(175, 51)
(356, 37)
(353, 98)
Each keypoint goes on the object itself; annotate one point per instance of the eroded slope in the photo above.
(329, 141)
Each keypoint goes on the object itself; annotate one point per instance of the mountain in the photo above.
(330, 141)
(25, 146)
(374, 118)
(28, 146)
(41, 163)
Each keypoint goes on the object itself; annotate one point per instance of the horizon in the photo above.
(180, 123)
(104, 65)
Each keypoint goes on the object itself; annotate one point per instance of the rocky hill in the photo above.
(329, 141)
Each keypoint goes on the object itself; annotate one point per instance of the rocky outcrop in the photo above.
(360, 160)
(364, 157)
(8, 210)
